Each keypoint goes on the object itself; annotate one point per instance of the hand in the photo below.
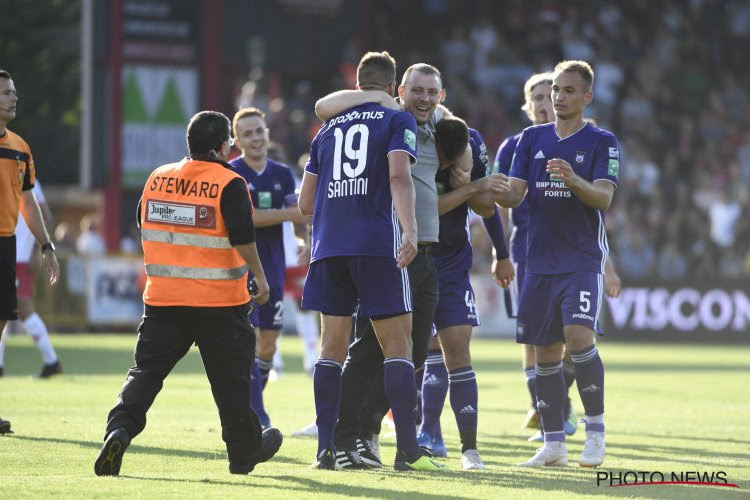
(612, 283)
(503, 272)
(296, 217)
(459, 177)
(560, 170)
(407, 250)
(53, 267)
(262, 294)
(303, 254)
(494, 184)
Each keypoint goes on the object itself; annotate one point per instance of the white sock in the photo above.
(38, 331)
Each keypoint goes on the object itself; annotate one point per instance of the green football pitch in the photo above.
(670, 409)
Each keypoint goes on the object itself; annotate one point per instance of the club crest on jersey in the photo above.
(579, 156)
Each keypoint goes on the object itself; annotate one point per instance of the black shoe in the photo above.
(367, 455)
(272, 440)
(51, 369)
(2, 371)
(110, 458)
(349, 460)
(325, 461)
(5, 427)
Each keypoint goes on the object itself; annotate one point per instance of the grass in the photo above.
(669, 408)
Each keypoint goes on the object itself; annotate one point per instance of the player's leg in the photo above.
(389, 306)
(271, 319)
(33, 323)
(581, 308)
(463, 390)
(161, 344)
(434, 392)
(540, 324)
(362, 398)
(569, 373)
(330, 289)
(528, 359)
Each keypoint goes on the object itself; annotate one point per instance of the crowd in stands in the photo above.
(672, 82)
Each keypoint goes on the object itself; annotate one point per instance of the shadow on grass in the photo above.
(23, 360)
(149, 450)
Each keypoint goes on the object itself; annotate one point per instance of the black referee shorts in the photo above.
(8, 300)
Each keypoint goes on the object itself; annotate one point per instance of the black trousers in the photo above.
(227, 347)
(363, 400)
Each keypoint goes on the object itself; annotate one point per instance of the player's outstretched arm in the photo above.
(514, 195)
(331, 105)
(32, 214)
(402, 192)
(272, 216)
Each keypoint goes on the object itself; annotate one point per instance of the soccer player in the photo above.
(538, 107)
(358, 187)
(273, 192)
(16, 194)
(456, 313)
(420, 92)
(569, 169)
(33, 323)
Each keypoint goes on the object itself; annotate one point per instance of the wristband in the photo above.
(48, 246)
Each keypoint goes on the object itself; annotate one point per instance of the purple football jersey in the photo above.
(272, 187)
(354, 212)
(519, 214)
(453, 252)
(565, 235)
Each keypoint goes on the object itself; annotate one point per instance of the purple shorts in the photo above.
(335, 285)
(270, 315)
(548, 302)
(456, 305)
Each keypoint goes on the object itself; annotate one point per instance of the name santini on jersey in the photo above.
(347, 187)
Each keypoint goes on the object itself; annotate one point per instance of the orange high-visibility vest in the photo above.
(186, 251)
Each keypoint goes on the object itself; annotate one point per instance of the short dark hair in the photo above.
(5, 74)
(207, 131)
(244, 113)
(451, 137)
(425, 69)
(376, 70)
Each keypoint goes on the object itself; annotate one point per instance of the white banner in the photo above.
(113, 295)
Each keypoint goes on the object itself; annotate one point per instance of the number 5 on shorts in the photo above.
(585, 302)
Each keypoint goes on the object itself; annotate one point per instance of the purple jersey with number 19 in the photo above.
(354, 212)
(565, 234)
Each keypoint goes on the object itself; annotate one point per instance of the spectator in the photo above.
(90, 241)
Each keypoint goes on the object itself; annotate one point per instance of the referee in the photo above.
(16, 195)
(198, 242)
